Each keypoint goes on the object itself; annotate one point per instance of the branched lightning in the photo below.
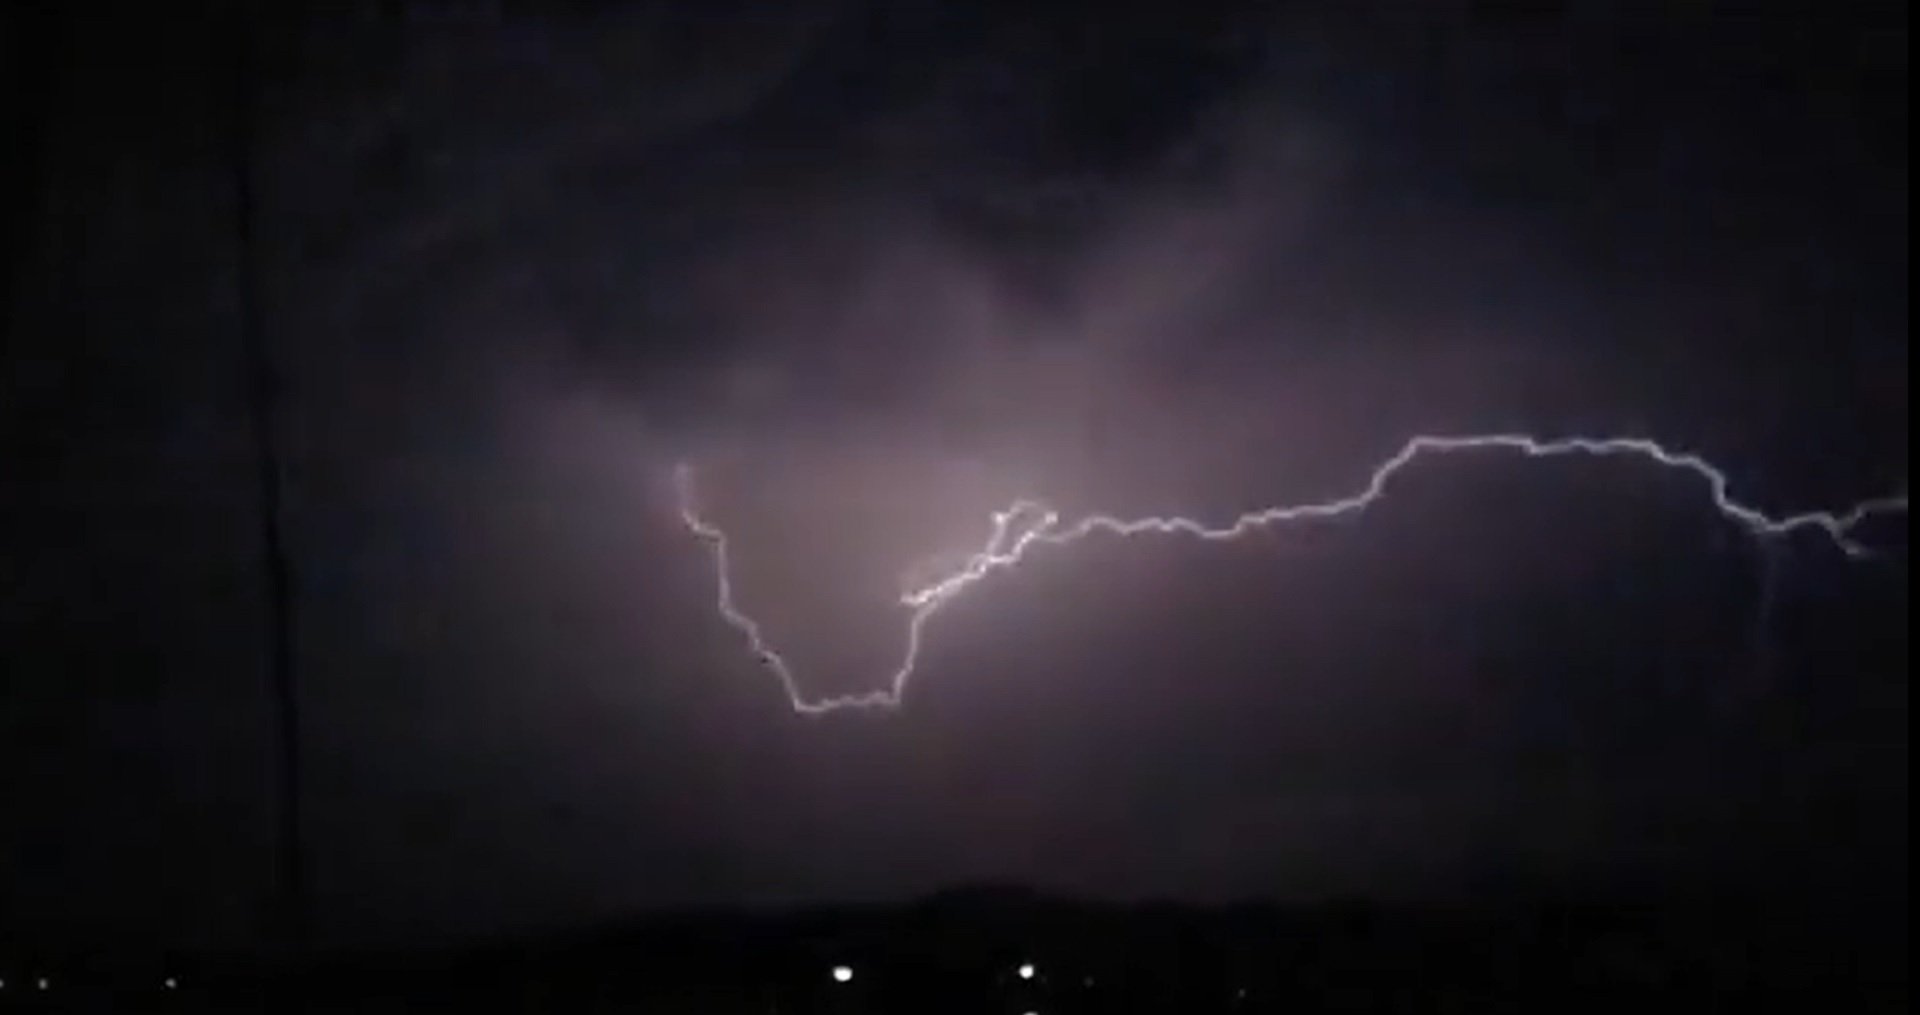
(1028, 524)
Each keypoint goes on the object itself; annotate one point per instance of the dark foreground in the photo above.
(965, 952)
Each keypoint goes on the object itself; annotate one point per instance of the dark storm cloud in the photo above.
(876, 270)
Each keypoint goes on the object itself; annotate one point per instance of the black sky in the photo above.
(875, 269)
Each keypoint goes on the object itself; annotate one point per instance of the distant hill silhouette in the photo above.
(962, 951)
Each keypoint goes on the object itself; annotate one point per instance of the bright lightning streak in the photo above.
(1028, 524)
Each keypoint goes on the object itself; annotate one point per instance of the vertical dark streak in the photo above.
(262, 399)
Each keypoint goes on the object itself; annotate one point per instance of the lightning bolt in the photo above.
(1029, 524)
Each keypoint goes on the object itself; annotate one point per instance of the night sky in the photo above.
(874, 270)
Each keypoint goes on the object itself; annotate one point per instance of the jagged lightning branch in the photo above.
(1028, 523)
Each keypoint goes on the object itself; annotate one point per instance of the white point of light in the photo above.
(43, 983)
(842, 974)
(1039, 525)
(1025, 970)
(171, 983)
